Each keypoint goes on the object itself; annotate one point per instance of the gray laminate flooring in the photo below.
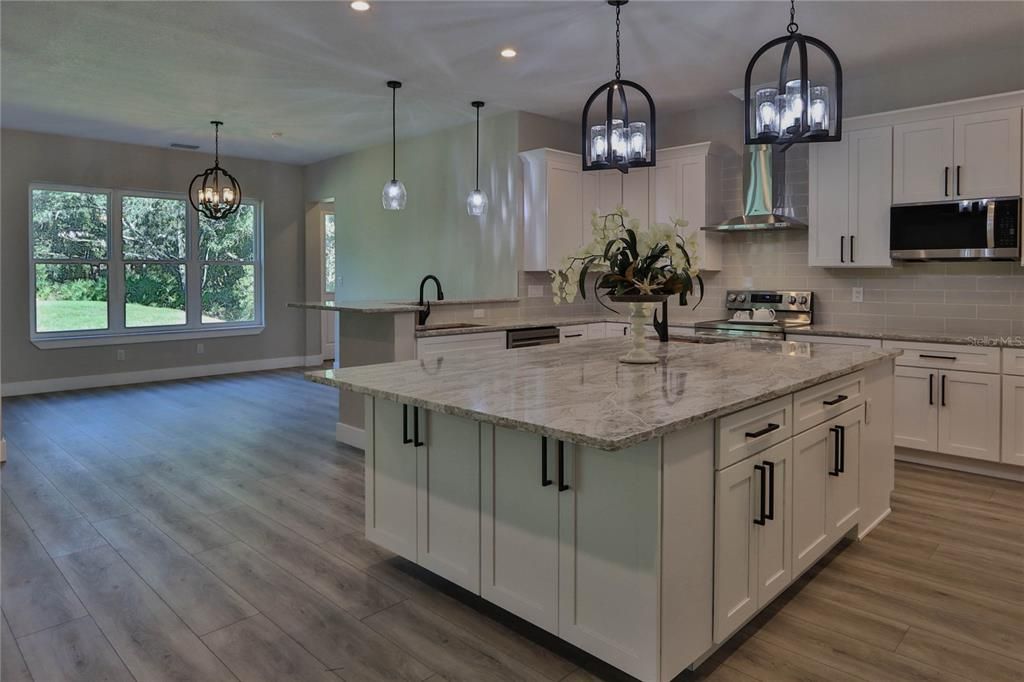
(211, 529)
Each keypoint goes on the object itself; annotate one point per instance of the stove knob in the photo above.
(792, 300)
(731, 298)
(803, 300)
(741, 298)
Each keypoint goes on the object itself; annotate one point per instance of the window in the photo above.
(135, 265)
(328, 252)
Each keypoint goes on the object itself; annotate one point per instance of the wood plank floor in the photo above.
(211, 530)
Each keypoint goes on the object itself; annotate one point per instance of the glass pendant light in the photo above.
(476, 202)
(218, 195)
(393, 196)
(616, 141)
(798, 110)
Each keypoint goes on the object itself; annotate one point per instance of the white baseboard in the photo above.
(350, 435)
(965, 464)
(874, 524)
(145, 376)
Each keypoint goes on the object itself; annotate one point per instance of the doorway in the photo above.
(328, 281)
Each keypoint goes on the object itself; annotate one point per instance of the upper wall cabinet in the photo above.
(553, 208)
(605, 191)
(850, 191)
(973, 156)
(687, 185)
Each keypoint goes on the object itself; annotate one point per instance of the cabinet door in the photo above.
(519, 538)
(917, 415)
(922, 161)
(608, 555)
(448, 496)
(636, 195)
(737, 505)
(969, 407)
(609, 191)
(1013, 420)
(987, 154)
(843, 493)
(564, 213)
(616, 329)
(390, 478)
(775, 537)
(812, 458)
(870, 197)
(828, 208)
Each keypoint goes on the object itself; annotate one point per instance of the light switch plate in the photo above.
(858, 294)
(479, 312)
(535, 291)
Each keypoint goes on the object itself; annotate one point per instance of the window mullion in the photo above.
(115, 269)
(193, 296)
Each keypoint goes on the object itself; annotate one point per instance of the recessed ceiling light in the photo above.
(508, 53)
(359, 5)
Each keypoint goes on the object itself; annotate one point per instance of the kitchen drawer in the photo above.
(947, 356)
(616, 329)
(750, 431)
(435, 346)
(836, 340)
(1013, 361)
(814, 405)
(596, 330)
(573, 332)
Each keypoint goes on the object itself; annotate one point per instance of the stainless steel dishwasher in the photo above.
(531, 336)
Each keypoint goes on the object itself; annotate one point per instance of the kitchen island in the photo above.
(641, 513)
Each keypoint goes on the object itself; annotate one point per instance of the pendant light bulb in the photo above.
(393, 196)
(476, 202)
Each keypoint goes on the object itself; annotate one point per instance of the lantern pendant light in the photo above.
(215, 193)
(616, 141)
(393, 197)
(476, 202)
(801, 109)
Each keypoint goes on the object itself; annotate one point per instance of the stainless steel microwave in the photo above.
(985, 229)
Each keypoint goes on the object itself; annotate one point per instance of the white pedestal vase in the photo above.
(639, 311)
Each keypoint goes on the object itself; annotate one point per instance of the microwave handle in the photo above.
(990, 224)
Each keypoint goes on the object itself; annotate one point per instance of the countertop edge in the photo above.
(601, 443)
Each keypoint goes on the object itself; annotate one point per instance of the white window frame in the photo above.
(116, 333)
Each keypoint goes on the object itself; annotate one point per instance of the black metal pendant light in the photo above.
(476, 202)
(616, 140)
(393, 196)
(781, 115)
(215, 193)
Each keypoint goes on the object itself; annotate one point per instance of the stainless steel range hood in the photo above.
(765, 202)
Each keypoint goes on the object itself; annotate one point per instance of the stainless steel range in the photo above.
(761, 314)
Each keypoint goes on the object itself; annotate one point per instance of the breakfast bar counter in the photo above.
(641, 513)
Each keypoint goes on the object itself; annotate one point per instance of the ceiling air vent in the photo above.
(179, 145)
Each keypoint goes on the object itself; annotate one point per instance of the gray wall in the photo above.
(33, 157)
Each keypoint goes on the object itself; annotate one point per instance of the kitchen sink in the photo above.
(450, 325)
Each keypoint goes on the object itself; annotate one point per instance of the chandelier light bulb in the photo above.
(393, 197)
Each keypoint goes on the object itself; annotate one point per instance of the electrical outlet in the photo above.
(200, 349)
(479, 312)
(858, 294)
(748, 282)
(535, 291)
(120, 354)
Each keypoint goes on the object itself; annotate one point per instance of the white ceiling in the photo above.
(156, 72)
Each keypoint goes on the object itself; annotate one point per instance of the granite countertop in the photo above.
(909, 335)
(581, 392)
(442, 330)
(390, 306)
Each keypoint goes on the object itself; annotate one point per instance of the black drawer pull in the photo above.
(544, 480)
(416, 427)
(771, 490)
(931, 389)
(835, 401)
(763, 432)
(936, 357)
(835, 453)
(761, 511)
(405, 425)
(943, 399)
(574, 336)
(561, 467)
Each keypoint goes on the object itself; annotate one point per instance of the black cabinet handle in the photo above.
(405, 425)
(544, 480)
(936, 357)
(852, 236)
(835, 401)
(562, 487)
(931, 389)
(760, 520)
(771, 490)
(958, 180)
(625, 331)
(841, 466)
(835, 453)
(573, 336)
(763, 432)
(416, 427)
(842, 249)
(945, 182)
(943, 391)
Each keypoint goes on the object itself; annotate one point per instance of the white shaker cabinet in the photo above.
(843, 494)
(922, 160)
(686, 184)
(917, 419)
(850, 192)
(987, 154)
(636, 195)
(554, 221)
(1013, 420)
(519, 534)
(391, 463)
(969, 407)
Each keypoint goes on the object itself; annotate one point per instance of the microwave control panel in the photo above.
(1007, 224)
